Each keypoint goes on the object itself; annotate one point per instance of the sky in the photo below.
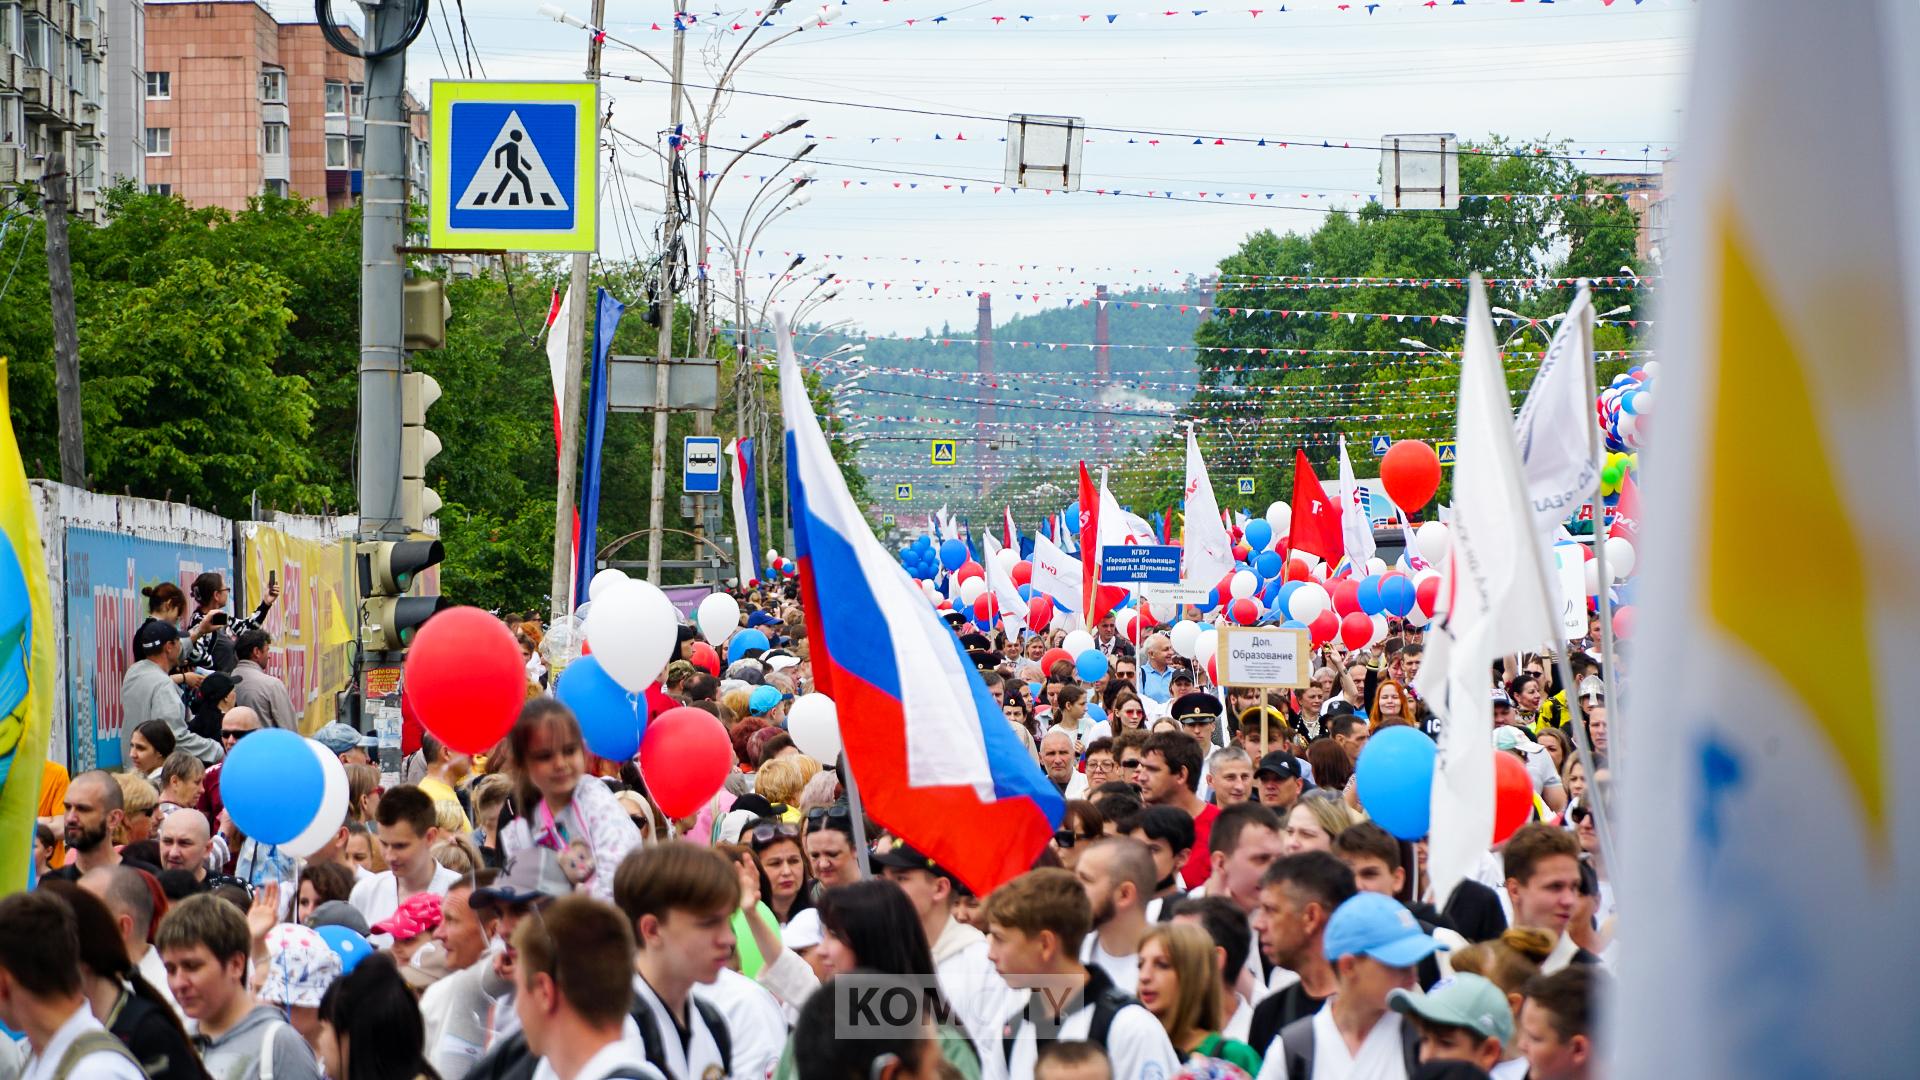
(1607, 74)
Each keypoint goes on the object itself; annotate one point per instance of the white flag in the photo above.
(1055, 573)
(1013, 610)
(1355, 528)
(1496, 585)
(1209, 550)
(1782, 314)
(1558, 435)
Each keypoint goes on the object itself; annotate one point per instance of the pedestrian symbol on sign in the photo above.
(1246, 485)
(1381, 444)
(886, 519)
(512, 176)
(1446, 452)
(943, 452)
(903, 492)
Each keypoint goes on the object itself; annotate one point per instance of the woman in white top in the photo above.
(559, 806)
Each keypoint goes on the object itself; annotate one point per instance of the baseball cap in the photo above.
(339, 913)
(905, 857)
(780, 660)
(534, 875)
(417, 914)
(428, 966)
(747, 671)
(764, 700)
(1281, 764)
(300, 966)
(1512, 738)
(1196, 704)
(1500, 698)
(154, 635)
(350, 947)
(1377, 926)
(761, 618)
(803, 931)
(340, 738)
(1466, 1000)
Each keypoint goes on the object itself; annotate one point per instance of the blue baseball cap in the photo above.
(1370, 924)
(764, 699)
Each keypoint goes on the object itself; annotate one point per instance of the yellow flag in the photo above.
(23, 730)
(1771, 838)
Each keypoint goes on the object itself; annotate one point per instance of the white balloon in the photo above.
(1185, 635)
(1652, 369)
(1432, 541)
(333, 806)
(560, 645)
(718, 616)
(1244, 583)
(1320, 571)
(1376, 565)
(604, 580)
(1307, 602)
(928, 587)
(1379, 631)
(1593, 577)
(972, 589)
(1006, 559)
(1280, 516)
(814, 723)
(1205, 646)
(634, 631)
(1418, 618)
(1077, 642)
(772, 556)
(1621, 558)
(1123, 621)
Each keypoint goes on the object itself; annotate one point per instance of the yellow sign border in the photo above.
(585, 234)
(933, 451)
(903, 493)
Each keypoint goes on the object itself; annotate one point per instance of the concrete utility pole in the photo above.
(54, 184)
(984, 412)
(383, 275)
(566, 493)
(669, 237)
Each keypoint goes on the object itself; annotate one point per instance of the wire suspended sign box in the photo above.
(1420, 172)
(1044, 151)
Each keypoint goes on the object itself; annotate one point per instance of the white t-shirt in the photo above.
(155, 972)
(1382, 1056)
(755, 1022)
(92, 1067)
(973, 987)
(689, 1061)
(1123, 970)
(378, 897)
(1136, 1044)
(626, 1055)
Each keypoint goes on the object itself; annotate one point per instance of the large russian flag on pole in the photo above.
(746, 514)
(936, 762)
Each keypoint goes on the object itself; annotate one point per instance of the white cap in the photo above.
(803, 930)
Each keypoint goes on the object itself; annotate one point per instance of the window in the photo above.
(274, 187)
(336, 151)
(12, 120)
(336, 98)
(159, 85)
(357, 99)
(159, 142)
(159, 189)
(9, 28)
(273, 139)
(35, 39)
(273, 86)
(356, 153)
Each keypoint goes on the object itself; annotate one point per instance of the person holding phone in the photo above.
(211, 630)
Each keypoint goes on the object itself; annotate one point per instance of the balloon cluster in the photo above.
(924, 561)
(1394, 781)
(1626, 407)
(1614, 473)
(786, 568)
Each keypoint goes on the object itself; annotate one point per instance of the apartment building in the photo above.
(52, 93)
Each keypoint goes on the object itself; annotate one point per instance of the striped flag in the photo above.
(1771, 835)
(746, 513)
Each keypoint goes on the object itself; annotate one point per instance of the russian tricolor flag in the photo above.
(936, 761)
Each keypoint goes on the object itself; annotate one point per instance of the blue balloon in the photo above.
(350, 947)
(1213, 599)
(923, 542)
(16, 631)
(1091, 665)
(953, 554)
(1025, 591)
(1033, 692)
(1285, 598)
(1293, 624)
(611, 719)
(743, 640)
(1397, 595)
(276, 785)
(1270, 592)
(1370, 594)
(1096, 712)
(1258, 535)
(1267, 563)
(1394, 779)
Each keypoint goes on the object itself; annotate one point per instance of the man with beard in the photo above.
(95, 808)
(1118, 874)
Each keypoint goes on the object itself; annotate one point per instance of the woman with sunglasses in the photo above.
(1081, 825)
(559, 805)
(783, 868)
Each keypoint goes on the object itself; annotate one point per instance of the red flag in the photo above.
(1626, 512)
(1316, 518)
(1089, 544)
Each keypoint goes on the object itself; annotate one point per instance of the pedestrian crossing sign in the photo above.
(943, 452)
(903, 492)
(886, 519)
(1246, 485)
(1445, 449)
(1381, 444)
(514, 167)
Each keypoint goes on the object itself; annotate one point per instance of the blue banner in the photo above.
(606, 320)
(1156, 564)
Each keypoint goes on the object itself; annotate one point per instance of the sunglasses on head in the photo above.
(820, 815)
(767, 834)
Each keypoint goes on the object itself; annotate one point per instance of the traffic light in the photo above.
(388, 617)
(418, 445)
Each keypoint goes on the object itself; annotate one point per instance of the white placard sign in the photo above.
(1263, 656)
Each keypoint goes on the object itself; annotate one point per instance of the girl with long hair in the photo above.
(370, 1026)
(784, 877)
(1180, 985)
(1391, 705)
(558, 805)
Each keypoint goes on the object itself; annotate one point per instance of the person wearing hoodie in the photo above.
(967, 977)
(205, 944)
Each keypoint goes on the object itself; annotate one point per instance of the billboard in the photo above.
(312, 623)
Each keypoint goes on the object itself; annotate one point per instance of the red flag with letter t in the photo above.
(1626, 511)
(1316, 518)
(1089, 543)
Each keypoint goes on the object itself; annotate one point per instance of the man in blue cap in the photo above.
(1374, 944)
(769, 702)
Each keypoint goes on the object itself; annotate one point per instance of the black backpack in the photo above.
(1296, 1042)
(511, 1060)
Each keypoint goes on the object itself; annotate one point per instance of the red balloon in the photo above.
(1346, 597)
(1213, 671)
(1022, 573)
(1623, 620)
(410, 727)
(1512, 795)
(1242, 552)
(706, 659)
(1324, 628)
(1411, 474)
(1356, 630)
(1225, 588)
(466, 678)
(1052, 657)
(1040, 611)
(685, 757)
(1297, 570)
(1144, 622)
(1426, 594)
(1245, 611)
(968, 569)
(983, 607)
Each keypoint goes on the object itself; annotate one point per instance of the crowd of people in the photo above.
(1215, 902)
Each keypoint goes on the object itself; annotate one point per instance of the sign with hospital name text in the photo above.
(1157, 563)
(514, 166)
(1263, 656)
(1168, 599)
